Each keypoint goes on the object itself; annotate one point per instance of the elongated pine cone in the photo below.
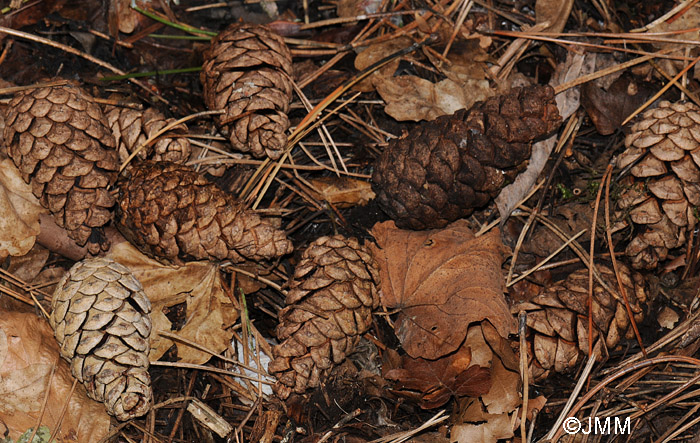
(444, 169)
(558, 318)
(173, 213)
(663, 193)
(247, 73)
(329, 307)
(100, 317)
(60, 140)
(132, 127)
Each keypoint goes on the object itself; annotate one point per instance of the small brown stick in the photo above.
(57, 427)
(621, 287)
(621, 372)
(183, 406)
(591, 256)
(46, 399)
(525, 372)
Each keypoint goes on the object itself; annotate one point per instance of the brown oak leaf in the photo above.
(441, 281)
(438, 380)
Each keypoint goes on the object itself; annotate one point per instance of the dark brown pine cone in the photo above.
(246, 73)
(444, 169)
(173, 213)
(60, 140)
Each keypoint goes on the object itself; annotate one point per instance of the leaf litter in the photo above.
(445, 338)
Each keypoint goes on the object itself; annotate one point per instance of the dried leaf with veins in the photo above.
(19, 212)
(441, 281)
(198, 285)
(343, 192)
(438, 380)
(28, 352)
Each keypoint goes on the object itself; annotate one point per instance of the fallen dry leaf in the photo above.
(28, 352)
(554, 12)
(441, 281)
(122, 18)
(19, 212)
(483, 427)
(343, 192)
(439, 380)
(609, 108)
(409, 97)
(197, 284)
(413, 98)
(372, 54)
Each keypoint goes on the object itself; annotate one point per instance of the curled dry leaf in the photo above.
(409, 97)
(28, 352)
(19, 212)
(441, 281)
(439, 380)
(343, 192)
(208, 311)
(554, 12)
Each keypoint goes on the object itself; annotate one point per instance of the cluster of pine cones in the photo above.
(70, 150)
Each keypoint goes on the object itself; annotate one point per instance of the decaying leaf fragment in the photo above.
(438, 380)
(28, 352)
(441, 281)
(197, 284)
(19, 212)
(343, 192)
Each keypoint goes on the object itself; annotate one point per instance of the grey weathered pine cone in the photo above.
(100, 317)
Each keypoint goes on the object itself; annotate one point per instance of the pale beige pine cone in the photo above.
(558, 318)
(328, 308)
(662, 196)
(132, 127)
(174, 214)
(100, 317)
(59, 139)
(247, 73)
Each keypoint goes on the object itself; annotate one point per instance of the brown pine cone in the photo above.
(558, 318)
(132, 127)
(444, 169)
(247, 72)
(100, 317)
(59, 139)
(663, 195)
(329, 307)
(172, 213)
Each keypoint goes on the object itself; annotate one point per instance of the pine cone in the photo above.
(132, 127)
(59, 139)
(247, 72)
(664, 195)
(171, 212)
(100, 317)
(444, 169)
(558, 318)
(329, 307)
